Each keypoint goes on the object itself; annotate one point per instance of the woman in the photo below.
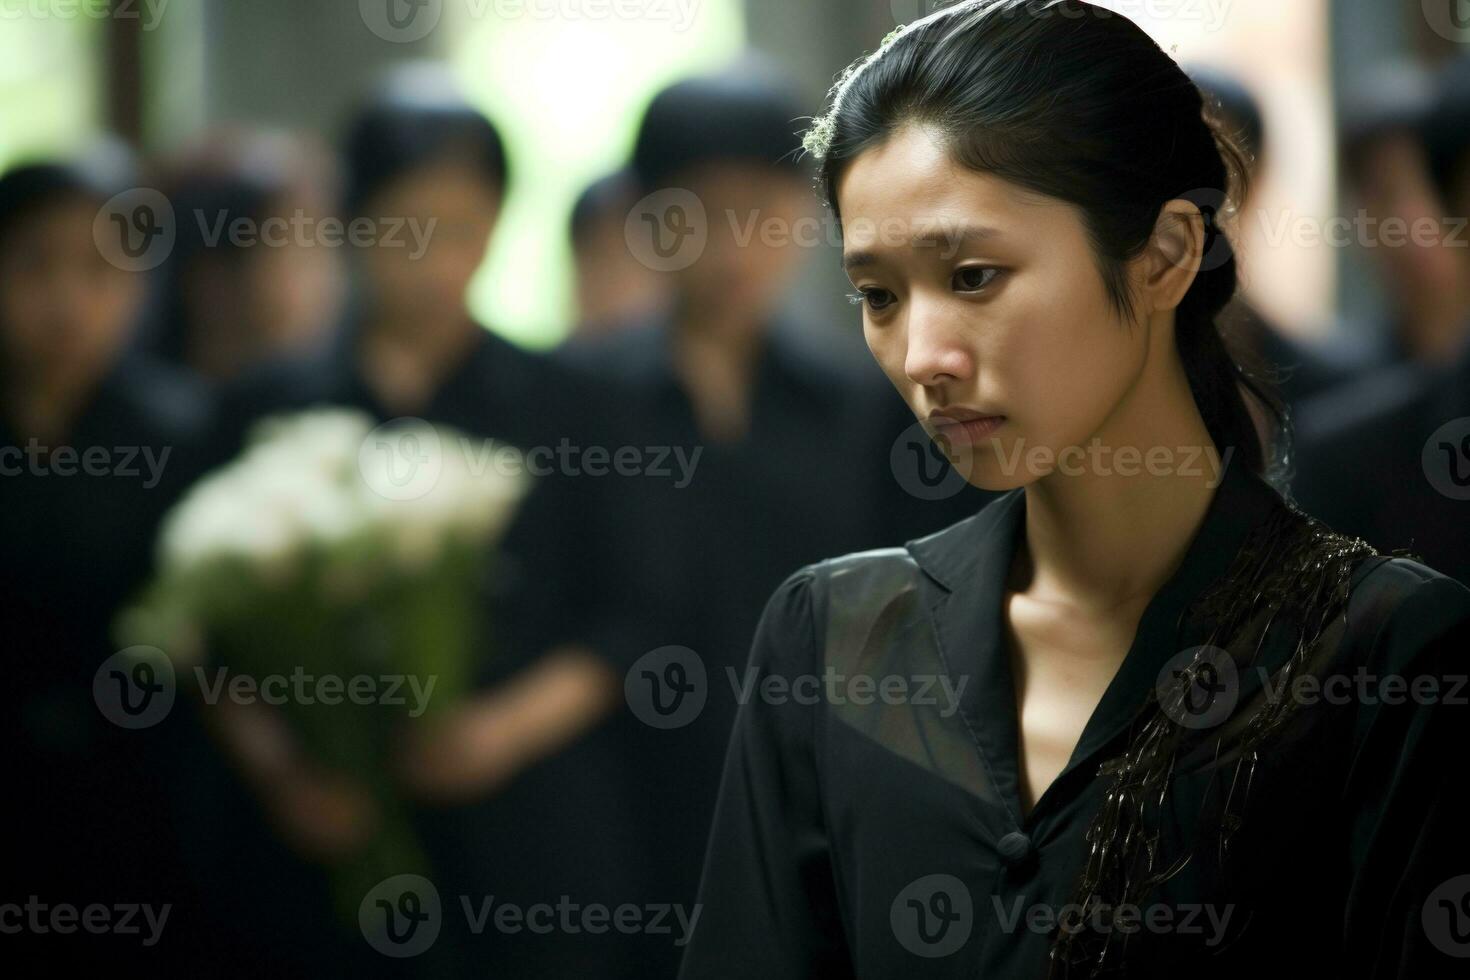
(520, 796)
(96, 441)
(1128, 718)
(232, 299)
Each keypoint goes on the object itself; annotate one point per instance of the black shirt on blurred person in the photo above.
(546, 833)
(418, 153)
(1387, 458)
(95, 445)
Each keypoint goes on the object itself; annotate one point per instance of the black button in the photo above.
(1014, 848)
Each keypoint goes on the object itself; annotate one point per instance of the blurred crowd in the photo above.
(121, 387)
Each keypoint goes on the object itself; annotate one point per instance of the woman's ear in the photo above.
(1173, 256)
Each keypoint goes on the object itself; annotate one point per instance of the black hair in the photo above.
(746, 112)
(31, 188)
(1077, 103)
(610, 193)
(233, 175)
(417, 119)
(1233, 103)
(1447, 130)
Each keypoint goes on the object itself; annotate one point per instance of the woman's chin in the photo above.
(984, 466)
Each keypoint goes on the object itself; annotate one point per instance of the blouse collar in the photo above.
(969, 563)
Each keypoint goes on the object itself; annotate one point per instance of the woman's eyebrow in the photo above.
(949, 237)
(954, 237)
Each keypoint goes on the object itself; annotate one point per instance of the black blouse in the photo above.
(874, 827)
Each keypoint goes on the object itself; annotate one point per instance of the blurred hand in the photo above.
(477, 747)
(322, 815)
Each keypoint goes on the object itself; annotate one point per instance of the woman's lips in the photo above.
(966, 431)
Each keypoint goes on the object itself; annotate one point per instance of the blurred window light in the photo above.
(50, 57)
(1281, 52)
(567, 82)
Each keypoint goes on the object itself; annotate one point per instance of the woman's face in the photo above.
(433, 229)
(63, 307)
(983, 304)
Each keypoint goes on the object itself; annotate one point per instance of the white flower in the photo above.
(298, 489)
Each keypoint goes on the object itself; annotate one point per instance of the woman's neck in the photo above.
(46, 405)
(1111, 531)
(716, 365)
(404, 361)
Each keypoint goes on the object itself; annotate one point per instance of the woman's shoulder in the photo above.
(931, 552)
(860, 585)
(1386, 586)
(1400, 598)
(812, 586)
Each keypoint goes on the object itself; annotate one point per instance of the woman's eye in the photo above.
(974, 277)
(876, 299)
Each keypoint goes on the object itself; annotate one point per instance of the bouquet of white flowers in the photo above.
(334, 550)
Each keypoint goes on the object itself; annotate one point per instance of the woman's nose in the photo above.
(937, 352)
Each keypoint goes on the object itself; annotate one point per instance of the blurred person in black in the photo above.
(96, 441)
(788, 449)
(519, 802)
(614, 289)
(1389, 123)
(1388, 457)
(1297, 368)
(254, 274)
